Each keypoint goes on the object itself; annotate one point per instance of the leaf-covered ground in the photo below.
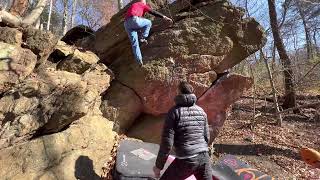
(268, 147)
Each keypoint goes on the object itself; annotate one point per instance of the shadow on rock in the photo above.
(84, 169)
(255, 149)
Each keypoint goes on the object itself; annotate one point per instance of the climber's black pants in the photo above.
(181, 169)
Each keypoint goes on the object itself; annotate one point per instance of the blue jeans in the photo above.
(133, 26)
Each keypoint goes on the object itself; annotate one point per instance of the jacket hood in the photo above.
(185, 100)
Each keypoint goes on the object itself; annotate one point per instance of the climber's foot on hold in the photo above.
(144, 41)
(141, 64)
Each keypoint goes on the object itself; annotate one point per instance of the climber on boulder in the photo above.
(135, 23)
(186, 127)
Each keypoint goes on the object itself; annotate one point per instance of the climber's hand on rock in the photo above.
(168, 19)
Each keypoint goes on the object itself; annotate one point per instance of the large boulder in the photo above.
(156, 83)
(41, 43)
(148, 128)
(61, 51)
(78, 62)
(98, 77)
(215, 101)
(207, 38)
(51, 126)
(77, 33)
(78, 152)
(121, 105)
(11, 36)
(49, 101)
(16, 64)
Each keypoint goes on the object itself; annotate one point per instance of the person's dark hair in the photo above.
(185, 88)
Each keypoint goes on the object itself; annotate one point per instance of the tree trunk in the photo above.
(254, 98)
(274, 91)
(73, 16)
(35, 13)
(290, 94)
(306, 30)
(273, 57)
(120, 4)
(316, 42)
(9, 19)
(49, 16)
(65, 17)
(19, 7)
(15, 21)
(37, 24)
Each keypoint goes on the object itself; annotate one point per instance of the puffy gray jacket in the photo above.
(186, 127)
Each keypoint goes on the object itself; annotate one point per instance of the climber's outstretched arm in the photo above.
(160, 15)
(156, 13)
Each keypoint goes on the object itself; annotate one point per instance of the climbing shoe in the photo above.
(144, 41)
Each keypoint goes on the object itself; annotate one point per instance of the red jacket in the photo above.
(137, 9)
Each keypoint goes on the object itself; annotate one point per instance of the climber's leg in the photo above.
(133, 36)
(145, 25)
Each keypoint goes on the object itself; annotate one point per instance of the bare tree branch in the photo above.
(300, 107)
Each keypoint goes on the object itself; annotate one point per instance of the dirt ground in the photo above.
(271, 149)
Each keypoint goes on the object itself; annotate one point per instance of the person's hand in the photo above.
(156, 172)
(168, 19)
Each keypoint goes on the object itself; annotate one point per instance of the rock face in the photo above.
(148, 128)
(76, 153)
(40, 43)
(50, 120)
(10, 36)
(121, 105)
(16, 64)
(208, 37)
(232, 87)
(77, 33)
(61, 51)
(49, 102)
(35, 102)
(78, 62)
